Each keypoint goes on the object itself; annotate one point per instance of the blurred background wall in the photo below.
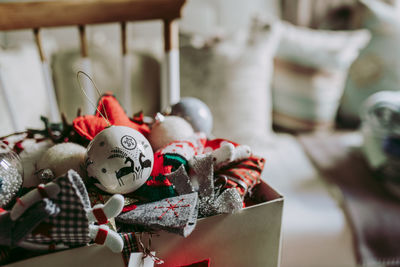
(313, 89)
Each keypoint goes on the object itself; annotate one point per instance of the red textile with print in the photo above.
(248, 171)
(216, 143)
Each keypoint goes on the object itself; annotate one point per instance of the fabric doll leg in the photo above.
(49, 190)
(12, 232)
(32, 218)
(103, 235)
(101, 213)
(6, 225)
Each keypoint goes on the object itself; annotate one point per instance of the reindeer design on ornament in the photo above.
(125, 171)
(136, 171)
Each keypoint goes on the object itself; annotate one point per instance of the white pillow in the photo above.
(232, 76)
(320, 48)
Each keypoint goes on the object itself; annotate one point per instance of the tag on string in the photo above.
(137, 259)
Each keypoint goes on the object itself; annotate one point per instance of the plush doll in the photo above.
(16, 226)
(76, 223)
(50, 190)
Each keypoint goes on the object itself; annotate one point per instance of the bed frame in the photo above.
(36, 15)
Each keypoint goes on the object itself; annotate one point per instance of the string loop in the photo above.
(105, 116)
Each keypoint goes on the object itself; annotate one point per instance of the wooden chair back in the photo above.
(42, 14)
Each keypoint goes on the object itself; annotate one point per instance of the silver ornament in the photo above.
(195, 112)
(11, 174)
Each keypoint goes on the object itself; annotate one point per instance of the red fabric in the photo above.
(2, 210)
(100, 216)
(18, 147)
(101, 236)
(90, 125)
(203, 263)
(216, 143)
(184, 149)
(248, 171)
(129, 208)
(159, 169)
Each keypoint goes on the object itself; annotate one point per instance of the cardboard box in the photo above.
(251, 237)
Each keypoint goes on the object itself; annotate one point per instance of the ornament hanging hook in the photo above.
(105, 116)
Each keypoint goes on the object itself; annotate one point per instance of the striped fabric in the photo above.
(244, 174)
(130, 246)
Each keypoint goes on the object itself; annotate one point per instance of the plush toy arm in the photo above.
(103, 235)
(241, 152)
(49, 190)
(228, 153)
(224, 154)
(101, 213)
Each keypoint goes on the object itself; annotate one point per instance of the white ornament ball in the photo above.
(62, 157)
(120, 159)
(169, 129)
(32, 153)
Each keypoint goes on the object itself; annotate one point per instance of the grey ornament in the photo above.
(176, 215)
(196, 112)
(229, 201)
(202, 174)
(201, 180)
(181, 181)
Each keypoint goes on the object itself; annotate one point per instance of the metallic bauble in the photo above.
(196, 112)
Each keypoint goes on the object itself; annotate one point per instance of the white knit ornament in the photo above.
(169, 129)
(63, 157)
